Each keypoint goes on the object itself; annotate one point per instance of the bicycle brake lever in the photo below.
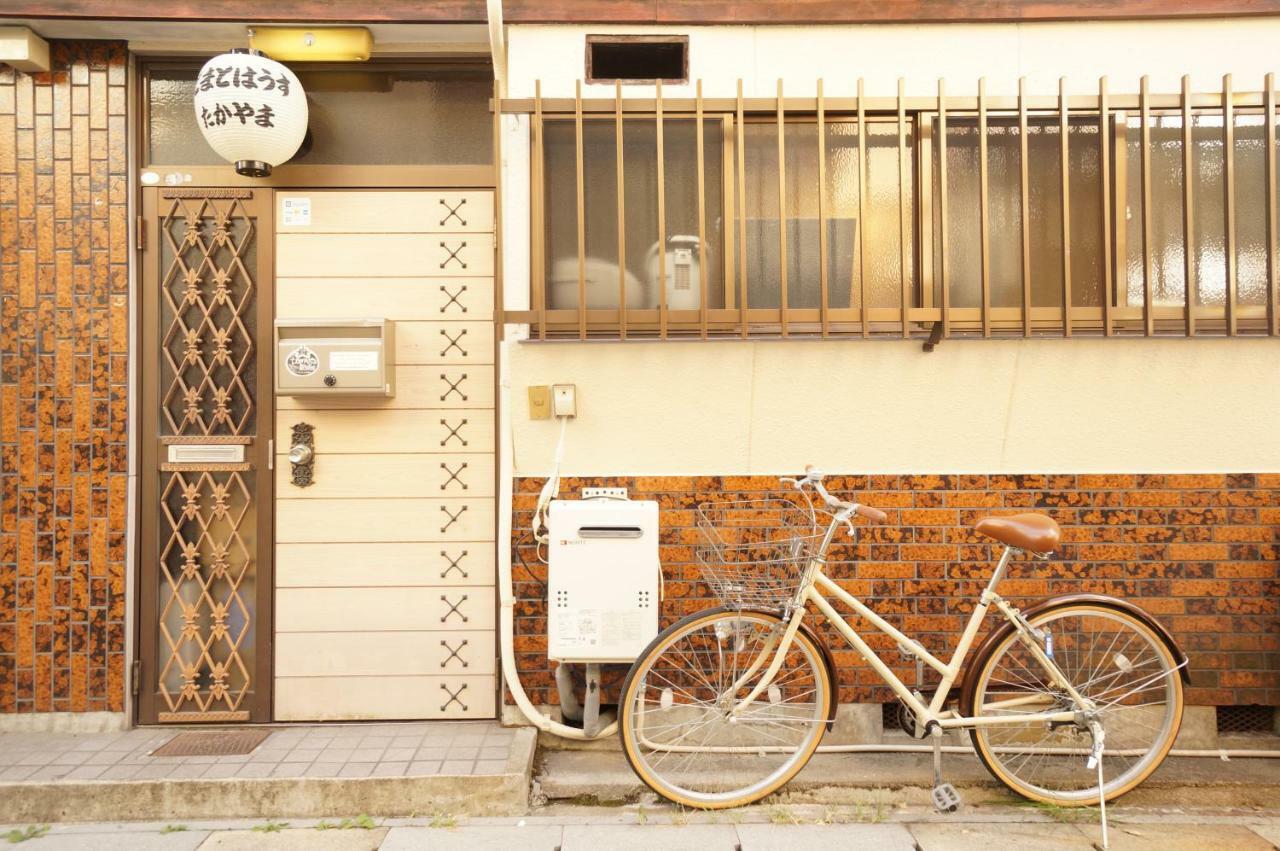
(785, 480)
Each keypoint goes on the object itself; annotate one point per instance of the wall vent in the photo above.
(1246, 720)
(637, 58)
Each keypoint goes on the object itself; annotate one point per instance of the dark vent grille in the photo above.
(890, 716)
(1251, 720)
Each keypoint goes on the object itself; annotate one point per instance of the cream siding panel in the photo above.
(428, 299)
(429, 387)
(393, 212)
(364, 610)
(374, 255)
(384, 698)
(355, 520)
(395, 476)
(443, 431)
(373, 654)
(444, 343)
(384, 564)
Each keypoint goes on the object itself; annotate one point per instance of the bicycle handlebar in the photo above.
(813, 478)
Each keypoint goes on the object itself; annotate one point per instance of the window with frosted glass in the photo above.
(640, 213)
(358, 116)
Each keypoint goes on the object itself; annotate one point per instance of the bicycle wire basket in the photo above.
(753, 553)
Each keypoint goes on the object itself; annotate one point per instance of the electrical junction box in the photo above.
(603, 579)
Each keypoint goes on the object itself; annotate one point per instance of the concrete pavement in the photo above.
(758, 828)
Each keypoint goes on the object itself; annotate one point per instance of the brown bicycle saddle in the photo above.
(1036, 533)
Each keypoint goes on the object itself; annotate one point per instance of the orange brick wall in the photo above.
(1198, 551)
(63, 381)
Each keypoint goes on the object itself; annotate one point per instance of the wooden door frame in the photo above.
(260, 200)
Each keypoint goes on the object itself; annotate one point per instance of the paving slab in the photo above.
(1180, 837)
(1024, 837)
(186, 840)
(1269, 832)
(475, 838)
(636, 837)
(307, 839)
(824, 837)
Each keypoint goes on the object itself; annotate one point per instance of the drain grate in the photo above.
(212, 743)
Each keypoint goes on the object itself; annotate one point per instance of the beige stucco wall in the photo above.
(920, 54)
(1080, 405)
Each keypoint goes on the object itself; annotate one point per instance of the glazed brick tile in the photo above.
(61, 423)
(1199, 552)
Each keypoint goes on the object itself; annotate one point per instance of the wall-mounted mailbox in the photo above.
(335, 357)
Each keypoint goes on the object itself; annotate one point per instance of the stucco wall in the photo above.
(989, 406)
(920, 54)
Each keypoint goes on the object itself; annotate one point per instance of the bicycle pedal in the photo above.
(945, 798)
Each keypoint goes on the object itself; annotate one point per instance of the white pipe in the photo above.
(1225, 753)
(506, 610)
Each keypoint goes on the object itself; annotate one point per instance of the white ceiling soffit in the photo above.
(203, 38)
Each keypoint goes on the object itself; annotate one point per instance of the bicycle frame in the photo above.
(816, 584)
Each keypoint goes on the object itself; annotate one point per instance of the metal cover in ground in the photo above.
(212, 743)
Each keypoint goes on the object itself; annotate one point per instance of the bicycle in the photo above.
(727, 705)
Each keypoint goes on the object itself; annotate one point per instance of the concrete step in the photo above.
(603, 776)
(194, 788)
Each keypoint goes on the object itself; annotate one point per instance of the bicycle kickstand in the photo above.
(1095, 761)
(945, 797)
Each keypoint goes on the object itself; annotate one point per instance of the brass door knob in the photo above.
(300, 453)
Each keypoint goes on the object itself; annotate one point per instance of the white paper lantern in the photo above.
(251, 109)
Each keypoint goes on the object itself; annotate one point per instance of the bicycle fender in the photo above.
(988, 645)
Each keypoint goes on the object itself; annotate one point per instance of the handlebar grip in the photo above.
(873, 514)
(808, 468)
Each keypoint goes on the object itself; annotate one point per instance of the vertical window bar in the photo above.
(539, 216)
(662, 216)
(864, 313)
(1229, 210)
(1269, 107)
(499, 300)
(1148, 313)
(984, 223)
(622, 215)
(702, 219)
(1064, 130)
(904, 246)
(1024, 182)
(942, 209)
(582, 213)
(1104, 151)
(1191, 293)
(822, 209)
(742, 219)
(782, 209)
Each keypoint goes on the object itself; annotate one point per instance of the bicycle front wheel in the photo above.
(678, 732)
(1114, 661)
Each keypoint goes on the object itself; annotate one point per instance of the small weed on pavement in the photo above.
(31, 831)
(270, 827)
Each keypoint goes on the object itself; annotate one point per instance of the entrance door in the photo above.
(206, 486)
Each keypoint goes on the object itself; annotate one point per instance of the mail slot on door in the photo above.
(335, 357)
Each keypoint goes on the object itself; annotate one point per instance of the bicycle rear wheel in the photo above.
(674, 719)
(1112, 659)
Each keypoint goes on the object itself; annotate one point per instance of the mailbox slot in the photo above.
(335, 357)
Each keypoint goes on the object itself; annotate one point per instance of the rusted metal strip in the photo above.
(1144, 110)
(1229, 185)
(1024, 184)
(864, 313)
(1191, 291)
(903, 213)
(942, 209)
(539, 276)
(1064, 133)
(1273, 287)
(1104, 152)
(984, 221)
(782, 208)
(822, 210)
(744, 322)
(582, 214)
(662, 217)
(702, 220)
(622, 216)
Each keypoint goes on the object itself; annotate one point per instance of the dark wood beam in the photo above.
(638, 11)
